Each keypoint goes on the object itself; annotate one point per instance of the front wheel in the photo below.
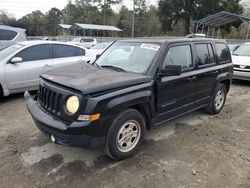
(217, 100)
(126, 134)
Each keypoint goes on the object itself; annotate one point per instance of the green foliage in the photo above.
(171, 17)
(172, 11)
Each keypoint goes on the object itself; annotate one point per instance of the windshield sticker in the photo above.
(150, 46)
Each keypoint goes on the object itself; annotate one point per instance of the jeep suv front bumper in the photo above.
(79, 134)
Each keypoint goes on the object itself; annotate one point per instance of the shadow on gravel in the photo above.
(241, 83)
(14, 97)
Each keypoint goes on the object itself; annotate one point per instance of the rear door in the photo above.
(64, 55)
(25, 75)
(176, 94)
(207, 72)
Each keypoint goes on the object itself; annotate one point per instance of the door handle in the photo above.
(46, 66)
(216, 72)
(192, 78)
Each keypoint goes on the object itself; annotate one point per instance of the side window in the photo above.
(7, 34)
(211, 53)
(204, 54)
(223, 54)
(34, 53)
(179, 55)
(80, 52)
(60, 51)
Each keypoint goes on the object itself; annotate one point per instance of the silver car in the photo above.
(21, 64)
(11, 35)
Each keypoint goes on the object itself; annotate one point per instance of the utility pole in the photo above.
(133, 20)
(104, 13)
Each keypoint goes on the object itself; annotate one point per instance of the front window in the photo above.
(129, 56)
(101, 46)
(243, 50)
(10, 50)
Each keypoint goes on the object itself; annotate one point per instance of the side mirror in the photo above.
(16, 60)
(171, 70)
(97, 56)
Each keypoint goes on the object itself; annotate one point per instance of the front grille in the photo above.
(52, 97)
(50, 100)
(239, 67)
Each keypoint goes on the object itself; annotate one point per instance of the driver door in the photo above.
(22, 76)
(176, 94)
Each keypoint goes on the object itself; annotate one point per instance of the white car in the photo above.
(11, 35)
(22, 63)
(241, 61)
(99, 48)
(86, 42)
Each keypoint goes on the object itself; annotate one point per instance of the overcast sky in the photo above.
(20, 8)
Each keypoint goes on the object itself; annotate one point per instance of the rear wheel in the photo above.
(126, 134)
(218, 100)
(1, 91)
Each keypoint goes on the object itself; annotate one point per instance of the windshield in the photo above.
(9, 50)
(102, 45)
(129, 56)
(243, 50)
(76, 40)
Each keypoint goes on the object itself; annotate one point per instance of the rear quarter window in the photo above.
(223, 53)
(7, 34)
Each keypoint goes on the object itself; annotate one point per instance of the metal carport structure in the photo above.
(94, 27)
(219, 19)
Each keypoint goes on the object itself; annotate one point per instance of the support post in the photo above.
(248, 28)
(133, 20)
(208, 31)
(218, 32)
(202, 29)
(197, 27)
(213, 32)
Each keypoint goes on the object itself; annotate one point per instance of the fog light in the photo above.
(93, 117)
(52, 138)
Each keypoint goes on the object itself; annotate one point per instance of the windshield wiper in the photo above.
(113, 68)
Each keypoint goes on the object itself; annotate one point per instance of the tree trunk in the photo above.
(187, 25)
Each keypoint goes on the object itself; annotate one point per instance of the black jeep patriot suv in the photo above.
(133, 86)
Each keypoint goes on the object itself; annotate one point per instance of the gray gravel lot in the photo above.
(196, 150)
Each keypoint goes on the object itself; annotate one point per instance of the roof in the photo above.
(65, 26)
(94, 27)
(222, 18)
(36, 42)
(12, 28)
(169, 39)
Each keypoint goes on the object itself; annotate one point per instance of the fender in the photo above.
(6, 92)
(222, 77)
(117, 100)
(123, 102)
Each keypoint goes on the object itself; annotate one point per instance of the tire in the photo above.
(217, 100)
(126, 134)
(1, 91)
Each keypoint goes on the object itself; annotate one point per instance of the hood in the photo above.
(90, 79)
(241, 60)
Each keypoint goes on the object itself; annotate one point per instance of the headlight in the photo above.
(72, 104)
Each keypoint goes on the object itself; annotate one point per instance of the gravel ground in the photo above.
(196, 150)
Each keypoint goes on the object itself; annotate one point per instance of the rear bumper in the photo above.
(240, 75)
(78, 134)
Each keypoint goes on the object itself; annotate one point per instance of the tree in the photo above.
(53, 18)
(105, 6)
(35, 23)
(172, 11)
